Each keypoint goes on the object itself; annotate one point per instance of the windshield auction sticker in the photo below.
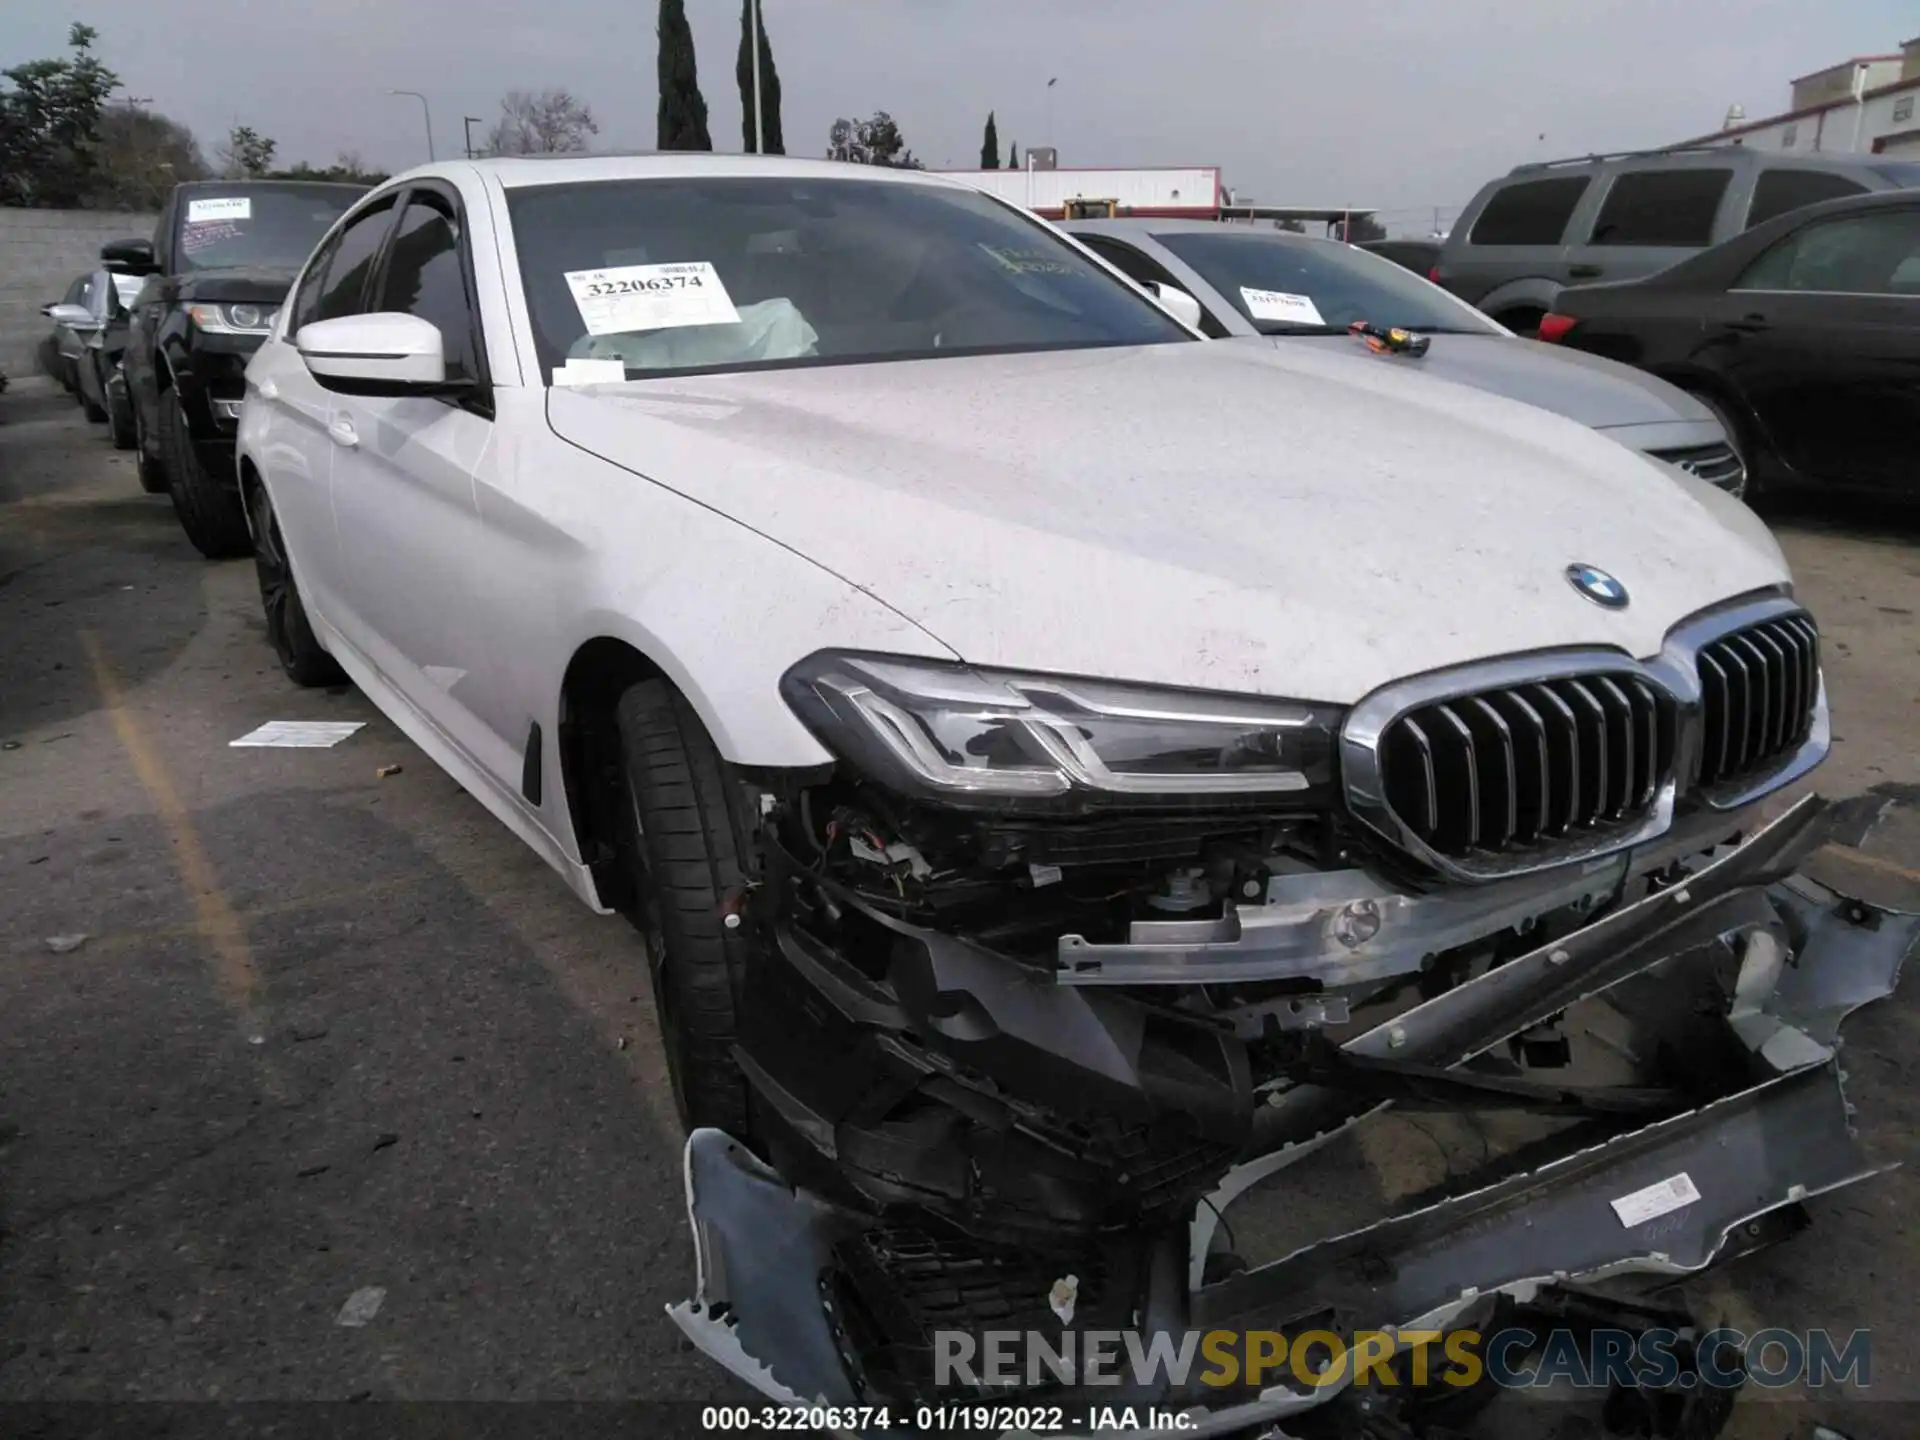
(238, 207)
(651, 297)
(1278, 305)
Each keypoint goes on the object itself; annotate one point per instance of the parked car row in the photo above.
(156, 341)
(1782, 292)
(86, 344)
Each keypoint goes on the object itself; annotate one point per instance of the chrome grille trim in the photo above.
(1771, 710)
(1717, 464)
(1528, 762)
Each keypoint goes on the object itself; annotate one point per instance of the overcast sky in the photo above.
(1396, 104)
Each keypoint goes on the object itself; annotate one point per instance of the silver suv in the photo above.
(1618, 217)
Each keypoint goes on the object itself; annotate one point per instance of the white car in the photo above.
(1005, 712)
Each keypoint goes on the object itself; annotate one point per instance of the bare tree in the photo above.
(545, 123)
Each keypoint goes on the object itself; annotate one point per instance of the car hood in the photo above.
(1597, 392)
(236, 284)
(1228, 517)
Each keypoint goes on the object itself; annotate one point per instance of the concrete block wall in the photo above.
(40, 253)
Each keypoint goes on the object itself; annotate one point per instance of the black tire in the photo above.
(94, 412)
(288, 629)
(210, 512)
(689, 853)
(1523, 322)
(151, 472)
(120, 424)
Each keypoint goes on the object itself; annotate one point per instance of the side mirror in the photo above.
(77, 316)
(1176, 302)
(134, 257)
(383, 354)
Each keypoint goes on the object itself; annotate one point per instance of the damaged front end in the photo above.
(1051, 972)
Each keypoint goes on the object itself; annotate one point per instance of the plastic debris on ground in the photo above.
(299, 734)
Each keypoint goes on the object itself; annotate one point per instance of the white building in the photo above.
(1862, 106)
(1162, 192)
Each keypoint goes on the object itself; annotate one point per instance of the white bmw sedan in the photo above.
(1001, 709)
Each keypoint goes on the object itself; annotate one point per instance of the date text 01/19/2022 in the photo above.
(927, 1419)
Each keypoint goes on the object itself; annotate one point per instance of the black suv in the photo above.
(221, 261)
(1619, 217)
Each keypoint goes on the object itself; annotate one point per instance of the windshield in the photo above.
(1288, 286)
(692, 275)
(273, 226)
(1904, 175)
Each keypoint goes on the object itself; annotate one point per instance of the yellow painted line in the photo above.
(235, 979)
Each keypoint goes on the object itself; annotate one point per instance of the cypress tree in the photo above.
(683, 110)
(769, 87)
(990, 146)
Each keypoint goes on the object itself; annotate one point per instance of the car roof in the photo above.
(257, 181)
(1702, 155)
(518, 171)
(1146, 225)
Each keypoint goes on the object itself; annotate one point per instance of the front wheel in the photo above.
(689, 855)
(210, 511)
(288, 629)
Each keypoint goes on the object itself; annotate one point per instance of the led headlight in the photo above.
(242, 319)
(990, 738)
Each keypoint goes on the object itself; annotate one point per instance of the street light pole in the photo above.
(1050, 140)
(759, 133)
(424, 111)
(470, 122)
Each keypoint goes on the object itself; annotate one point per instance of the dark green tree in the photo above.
(774, 143)
(990, 146)
(683, 110)
(50, 125)
(247, 154)
(1013, 156)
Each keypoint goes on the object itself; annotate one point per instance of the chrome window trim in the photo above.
(1673, 673)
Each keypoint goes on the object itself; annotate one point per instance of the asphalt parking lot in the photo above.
(331, 1031)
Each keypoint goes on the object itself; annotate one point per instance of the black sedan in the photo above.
(1804, 333)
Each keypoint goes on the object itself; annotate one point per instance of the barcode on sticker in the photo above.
(1656, 1200)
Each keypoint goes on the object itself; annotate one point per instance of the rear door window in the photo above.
(1872, 254)
(1778, 191)
(1662, 207)
(1531, 212)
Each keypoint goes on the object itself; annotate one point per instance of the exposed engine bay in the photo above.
(972, 1079)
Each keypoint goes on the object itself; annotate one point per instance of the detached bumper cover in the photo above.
(1788, 956)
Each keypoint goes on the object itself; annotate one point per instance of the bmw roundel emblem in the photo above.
(1597, 585)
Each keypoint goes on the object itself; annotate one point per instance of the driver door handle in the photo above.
(342, 433)
(1750, 324)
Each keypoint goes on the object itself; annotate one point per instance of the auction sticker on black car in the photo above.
(627, 298)
(236, 207)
